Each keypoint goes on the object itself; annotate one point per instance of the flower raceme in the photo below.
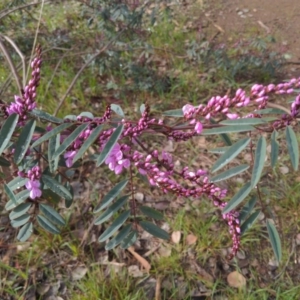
(130, 152)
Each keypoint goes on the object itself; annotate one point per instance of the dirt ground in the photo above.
(279, 18)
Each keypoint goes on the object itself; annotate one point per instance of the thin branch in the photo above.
(22, 56)
(12, 66)
(9, 11)
(80, 71)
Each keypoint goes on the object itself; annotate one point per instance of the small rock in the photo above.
(235, 279)
(284, 170)
(176, 236)
(139, 197)
(191, 239)
(241, 255)
(79, 273)
(134, 271)
(245, 10)
(298, 239)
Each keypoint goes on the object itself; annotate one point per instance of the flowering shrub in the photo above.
(33, 154)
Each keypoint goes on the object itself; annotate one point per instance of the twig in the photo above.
(79, 72)
(22, 56)
(9, 11)
(12, 66)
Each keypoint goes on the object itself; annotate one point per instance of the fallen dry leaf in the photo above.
(191, 239)
(79, 273)
(176, 236)
(140, 259)
(235, 279)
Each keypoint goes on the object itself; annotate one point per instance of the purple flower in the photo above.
(115, 161)
(69, 155)
(33, 187)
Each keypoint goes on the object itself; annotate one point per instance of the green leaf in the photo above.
(244, 121)
(116, 224)
(119, 237)
(259, 160)
(177, 113)
(117, 109)
(129, 240)
(250, 221)
(142, 108)
(111, 195)
(87, 115)
(69, 187)
(45, 116)
(293, 146)
(7, 131)
(10, 194)
(71, 118)
(227, 129)
(56, 187)
(69, 140)
(237, 198)
(52, 147)
(24, 140)
(219, 150)
(229, 173)
(4, 162)
(270, 111)
(274, 149)
(111, 210)
(247, 209)
(230, 154)
(274, 240)
(88, 142)
(25, 232)
(17, 183)
(47, 225)
(20, 198)
(19, 210)
(110, 144)
(225, 137)
(51, 133)
(154, 230)
(52, 214)
(151, 213)
(20, 221)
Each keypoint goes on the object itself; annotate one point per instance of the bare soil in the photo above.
(279, 18)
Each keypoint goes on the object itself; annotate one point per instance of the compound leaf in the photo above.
(119, 237)
(69, 140)
(154, 230)
(25, 232)
(230, 154)
(151, 213)
(249, 222)
(7, 131)
(116, 224)
(229, 173)
(52, 214)
(88, 142)
(259, 160)
(237, 198)
(47, 225)
(110, 144)
(51, 133)
(56, 187)
(111, 195)
(293, 146)
(19, 210)
(111, 210)
(274, 239)
(24, 140)
(20, 221)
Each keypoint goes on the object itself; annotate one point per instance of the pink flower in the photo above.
(33, 187)
(188, 109)
(232, 116)
(69, 155)
(198, 127)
